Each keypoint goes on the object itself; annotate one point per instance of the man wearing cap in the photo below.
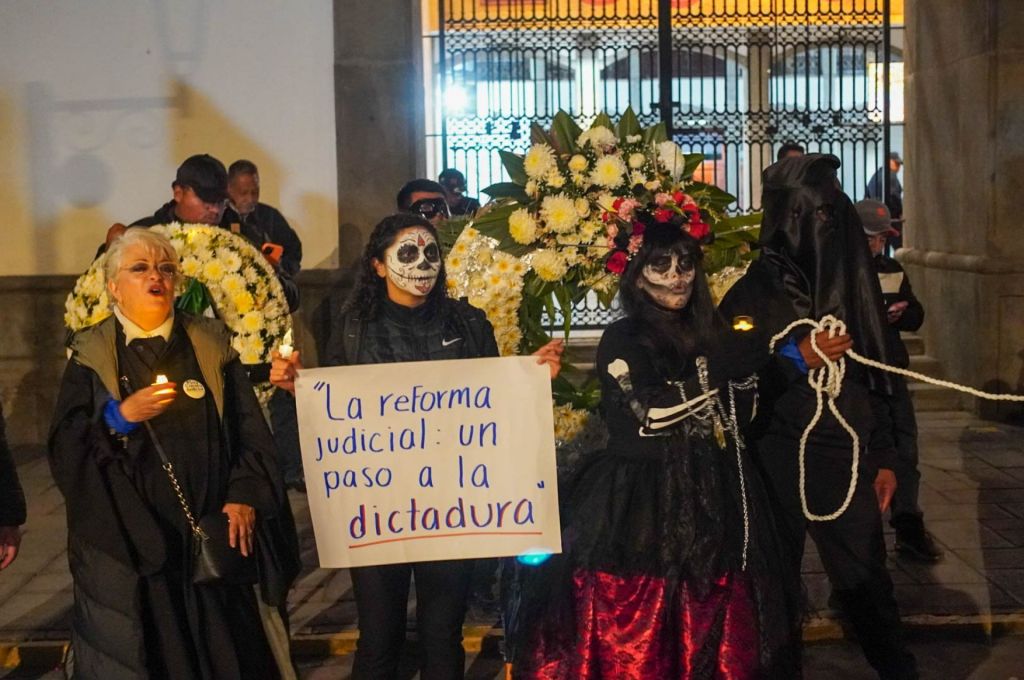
(904, 313)
(894, 201)
(454, 183)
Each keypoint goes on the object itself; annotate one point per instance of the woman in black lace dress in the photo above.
(669, 569)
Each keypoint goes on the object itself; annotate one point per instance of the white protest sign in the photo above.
(431, 460)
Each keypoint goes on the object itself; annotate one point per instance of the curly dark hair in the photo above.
(673, 337)
(370, 289)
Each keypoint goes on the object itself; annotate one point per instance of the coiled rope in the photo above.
(827, 383)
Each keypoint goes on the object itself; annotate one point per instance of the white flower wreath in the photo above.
(246, 293)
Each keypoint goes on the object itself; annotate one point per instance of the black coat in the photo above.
(12, 498)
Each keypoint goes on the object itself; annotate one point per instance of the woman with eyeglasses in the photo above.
(400, 311)
(156, 421)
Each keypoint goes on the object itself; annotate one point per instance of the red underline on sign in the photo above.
(463, 533)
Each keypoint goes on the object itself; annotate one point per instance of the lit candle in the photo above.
(285, 349)
(743, 323)
(160, 379)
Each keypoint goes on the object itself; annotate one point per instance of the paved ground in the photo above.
(972, 494)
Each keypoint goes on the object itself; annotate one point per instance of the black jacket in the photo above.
(265, 224)
(896, 288)
(12, 498)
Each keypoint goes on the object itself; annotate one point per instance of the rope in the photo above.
(827, 383)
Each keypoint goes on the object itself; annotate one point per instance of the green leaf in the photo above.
(513, 166)
(628, 124)
(602, 120)
(195, 299)
(655, 134)
(565, 131)
(539, 135)
(739, 222)
(508, 190)
(693, 161)
(711, 194)
(450, 230)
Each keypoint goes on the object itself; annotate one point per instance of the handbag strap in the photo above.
(168, 467)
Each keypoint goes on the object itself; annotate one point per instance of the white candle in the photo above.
(160, 379)
(285, 349)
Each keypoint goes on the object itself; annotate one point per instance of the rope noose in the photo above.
(828, 381)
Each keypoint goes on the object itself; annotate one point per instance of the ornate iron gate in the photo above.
(733, 79)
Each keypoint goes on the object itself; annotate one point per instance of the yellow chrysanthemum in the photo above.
(539, 161)
(243, 302)
(213, 271)
(549, 265)
(522, 227)
(608, 172)
(559, 213)
(232, 284)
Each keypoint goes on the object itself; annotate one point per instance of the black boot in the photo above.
(912, 541)
(872, 611)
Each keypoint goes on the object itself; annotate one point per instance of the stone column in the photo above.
(379, 111)
(965, 185)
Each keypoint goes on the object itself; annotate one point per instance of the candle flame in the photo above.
(743, 323)
(161, 379)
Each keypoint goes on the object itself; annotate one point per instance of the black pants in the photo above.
(852, 547)
(285, 425)
(904, 432)
(382, 595)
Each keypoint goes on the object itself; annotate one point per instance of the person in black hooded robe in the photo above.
(814, 262)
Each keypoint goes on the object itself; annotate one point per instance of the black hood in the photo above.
(813, 246)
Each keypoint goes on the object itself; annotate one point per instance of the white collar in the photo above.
(133, 331)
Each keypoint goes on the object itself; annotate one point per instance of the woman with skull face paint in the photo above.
(400, 311)
(669, 569)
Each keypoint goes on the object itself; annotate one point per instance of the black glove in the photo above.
(737, 354)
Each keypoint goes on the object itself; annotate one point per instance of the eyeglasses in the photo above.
(429, 208)
(167, 270)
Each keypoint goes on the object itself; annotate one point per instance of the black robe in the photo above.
(137, 613)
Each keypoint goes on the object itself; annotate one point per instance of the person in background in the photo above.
(12, 502)
(400, 311)
(875, 190)
(426, 198)
(263, 226)
(790, 150)
(904, 313)
(454, 183)
(267, 229)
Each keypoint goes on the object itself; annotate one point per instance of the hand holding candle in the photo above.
(150, 401)
(286, 348)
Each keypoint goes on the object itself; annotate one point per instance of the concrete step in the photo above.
(914, 343)
(929, 366)
(933, 398)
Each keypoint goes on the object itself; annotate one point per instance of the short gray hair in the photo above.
(151, 239)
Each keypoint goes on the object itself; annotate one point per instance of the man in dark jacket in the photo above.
(12, 502)
(814, 263)
(263, 226)
(904, 313)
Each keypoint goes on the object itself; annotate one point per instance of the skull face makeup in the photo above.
(414, 261)
(668, 279)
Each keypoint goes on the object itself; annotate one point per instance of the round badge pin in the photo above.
(194, 389)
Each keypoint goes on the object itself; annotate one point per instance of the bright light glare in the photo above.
(533, 557)
(456, 98)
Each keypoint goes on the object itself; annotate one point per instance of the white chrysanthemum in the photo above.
(229, 258)
(539, 161)
(606, 201)
(582, 207)
(589, 230)
(233, 284)
(470, 233)
(636, 160)
(522, 227)
(671, 158)
(581, 180)
(578, 163)
(213, 271)
(198, 240)
(455, 264)
(461, 248)
(531, 188)
(637, 177)
(633, 139)
(559, 213)
(569, 422)
(608, 172)
(597, 137)
(549, 265)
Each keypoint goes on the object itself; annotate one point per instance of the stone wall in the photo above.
(964, 183)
